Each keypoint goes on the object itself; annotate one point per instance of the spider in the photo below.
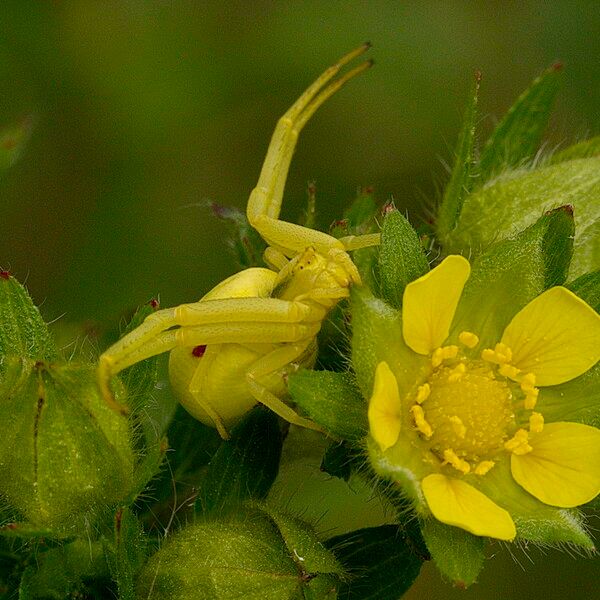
(235, 347)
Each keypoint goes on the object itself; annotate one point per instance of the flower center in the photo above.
(468, 410)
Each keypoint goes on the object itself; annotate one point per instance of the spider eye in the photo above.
(199, 351)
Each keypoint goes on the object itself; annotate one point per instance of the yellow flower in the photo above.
(453, 416)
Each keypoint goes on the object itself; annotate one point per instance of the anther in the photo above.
(528, 382)
(503, 353)
(531, 399)
(423, 392)
(457, 373)
(468, 339)
(458, 463)
(437, 358)
(519, 443)
(459, 427)
(509, 371)
(443, 353)
(536, 422)
(484, 467)
(422, 425)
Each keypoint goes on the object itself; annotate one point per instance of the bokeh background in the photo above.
(142, 110)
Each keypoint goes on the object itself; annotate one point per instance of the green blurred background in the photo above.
(141, 110)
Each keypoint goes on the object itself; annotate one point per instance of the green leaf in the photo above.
(332, 400)
(12, 141)
(245, 466)
(583, 149)
(511, 274)
(22, 330)
(125, 553)
(401, 258)
(463, 173)
(458, 554)
(517, 138)
(587, 287)
(516, 201)
(246, 244)
(360, 215)
(63, 572)
(381, 565)
(340, 460)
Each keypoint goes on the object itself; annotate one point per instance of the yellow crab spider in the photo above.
(235, 347)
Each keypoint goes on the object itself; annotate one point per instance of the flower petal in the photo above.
(430, 302)
(454, 502)
(554, 337)
(563, 469)
(385, 408)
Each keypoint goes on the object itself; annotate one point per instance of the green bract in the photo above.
(65, 457)
(256, 554)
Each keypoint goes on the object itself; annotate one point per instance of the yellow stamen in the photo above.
(436, 358)
(519, 443)
(422, 425)
(531, 399)
(443, 353)
(468, 339)
(423, 392)
(500, 355)
(503, 353)
(509, 371)
(458, 463)
(457, 373)
(536, 422)
(488, 355)
(483, 467)
(459, 427)
(528, 382)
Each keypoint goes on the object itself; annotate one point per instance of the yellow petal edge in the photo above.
(563, 469)
(456, 503)
(429, 304)
(384, 408)
(556, 337)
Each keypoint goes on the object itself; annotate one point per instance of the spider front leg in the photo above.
(265, 200)
(229, 320)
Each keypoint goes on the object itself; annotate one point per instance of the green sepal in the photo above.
(332, 400)
(242, 556)
(245, 466)
(587, 287)
(246, 245)
(458, 554)
(125, 552)
(401, 257)
(463, 174)
(518, 136)
(377, 336)
(67, 571)
(22, 330)
(516, 201)
(302, 544)
(323, 587)
(12, 142)
(54, 410)
(583, 149)
(577, 400)
(512, 273)
(535, 521)
(380, 563)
